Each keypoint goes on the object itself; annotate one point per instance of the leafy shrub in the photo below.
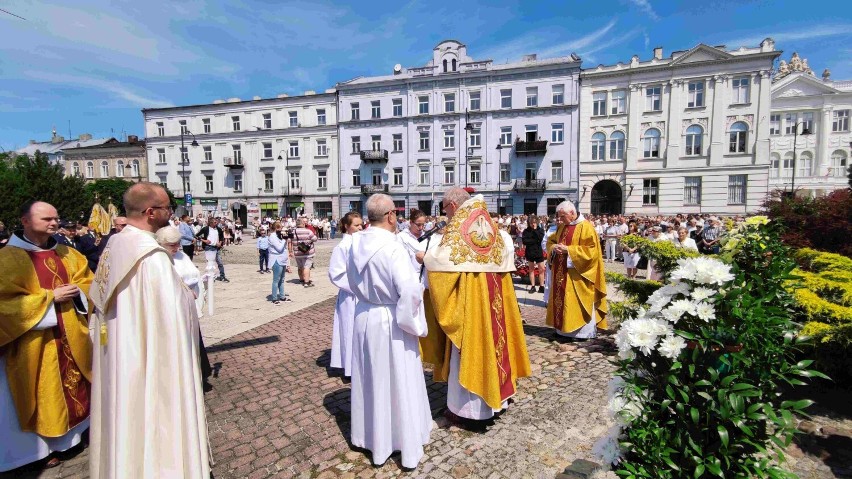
(664, 253)
(821, 223)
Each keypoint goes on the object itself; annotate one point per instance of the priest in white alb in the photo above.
(390, 407)
(147, 402)
(344, 309)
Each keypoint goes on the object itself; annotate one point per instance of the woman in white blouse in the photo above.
(684, 241)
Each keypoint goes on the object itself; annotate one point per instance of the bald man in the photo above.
(147, 402)
(45, 353)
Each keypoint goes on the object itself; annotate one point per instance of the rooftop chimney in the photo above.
(33, 142)
(529, 58)
(658, 53)
(132, 139)
(85, 137)
(57, 139)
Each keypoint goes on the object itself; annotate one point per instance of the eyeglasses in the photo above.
(389, 212)
(159, 208)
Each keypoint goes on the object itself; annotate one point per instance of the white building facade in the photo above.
(819, 108)
(264, 157)
(417, 132)
(684, 134)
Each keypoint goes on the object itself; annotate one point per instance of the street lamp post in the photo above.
(184, 158)
(468, 127)
(499, 173)
(805, 131)
(286, 179)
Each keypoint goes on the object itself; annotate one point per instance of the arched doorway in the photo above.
(606, 198)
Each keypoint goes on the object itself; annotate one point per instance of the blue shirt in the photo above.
(263, 242)
(187, 235)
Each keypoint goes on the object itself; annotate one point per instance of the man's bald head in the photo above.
(142, 196)
(40, 220)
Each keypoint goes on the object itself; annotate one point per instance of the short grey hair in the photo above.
(377, 206)
(456, 195)
(566, 206)
(168, 235)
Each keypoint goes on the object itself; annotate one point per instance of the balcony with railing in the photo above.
(370, 189)
(531, 147)
(524, 184)
(233, 163)
(374, 155)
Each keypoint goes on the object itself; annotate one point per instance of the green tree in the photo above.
(109, 189)
(25, 178)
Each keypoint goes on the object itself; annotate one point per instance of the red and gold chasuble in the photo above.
(76, 389)
(498, 332)
(560, 274)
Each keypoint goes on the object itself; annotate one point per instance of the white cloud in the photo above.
(646, 7)
(535, 43)
(811, 33)
(90, 83)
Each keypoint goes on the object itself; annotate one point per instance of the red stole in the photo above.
(560, 276)
(498, 333)
(76, 389)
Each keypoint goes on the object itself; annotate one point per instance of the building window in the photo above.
(293, 118)
(650, 187)
(475, 104)
(161, 130)
(183, 129)
(654, 98)
(532, 96)
(397, 142)
(808, 121)
(506, 98)
(293, 151)
(267, 150)
(296, 180)
(840, 120)
(376, 109)
(558, 92)
(475, 138)
(805, 164)
(205, 122)
(505, 173)
(184, 155)
(322, 148)
(475, 173)
(506, 135)
(616, 146)
(692, 190)
(208, 153)
(238, 154)
(187, 183)
(775, 124)
(162, 181)
(696, 94)
(556, 171)
(737, 189)
(737, 138)
(693, 140)
(618, 104)
(397, 107)
(208, 183)
(104, 169)
(774, 165)
(838, 164)
(449, 139)
(134, 168)
(449, 174)
(787, 168)
(355, 109)
(424, 140)
(321, 116)
(423, 104)
(397, 176)
(267, 121)
(599, 103)
(238, 183)
(75, 169)
(356, 144)
(161, 156)
(449, 103)
(598, 146)
(268, 182)
(322, 179)
(790, 120)
(740, 90)
(651, 143)
(235, 122)
(377, 176)
(376, 142)
(424, 176)
(557, 133)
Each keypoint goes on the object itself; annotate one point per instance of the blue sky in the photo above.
(97, 63)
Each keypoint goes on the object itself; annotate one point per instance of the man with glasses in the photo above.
(476, 339)
(147, 400)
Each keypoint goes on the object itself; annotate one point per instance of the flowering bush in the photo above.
(700, 368)
(664, 253)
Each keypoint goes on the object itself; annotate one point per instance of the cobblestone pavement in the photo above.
(276, 410)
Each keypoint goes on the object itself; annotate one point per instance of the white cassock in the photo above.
(344, 310)
(412, 246)
(147, 404)
(191, 277)
(390, 406)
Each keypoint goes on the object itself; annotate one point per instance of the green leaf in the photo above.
(801, 404)
(741, 386)
(699, 470)
(723, 434)
(694, 413)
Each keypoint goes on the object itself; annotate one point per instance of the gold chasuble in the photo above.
(48, 370)
(471, 304)
(576, 291)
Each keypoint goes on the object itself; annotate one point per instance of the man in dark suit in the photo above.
(65, 235)
(87, 245)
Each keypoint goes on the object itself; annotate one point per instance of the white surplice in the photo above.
(344, 310)
(192, 278)
(412, 246)
(147, 417)
(390, 406)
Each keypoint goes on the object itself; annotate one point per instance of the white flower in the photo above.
(701, 293)
(672, 314)
(705, 311)
(660, 327)
(622, 342)
(682, 306)
(606, 449)
(642, 334)
(615, 385)
(671, 346)
(623, 409)
(626, 354)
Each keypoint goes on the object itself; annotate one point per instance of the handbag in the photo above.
(302, 246)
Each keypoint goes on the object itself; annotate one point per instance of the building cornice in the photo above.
(628, 70)
(265, 103)
(457, 116)
(271, 134)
